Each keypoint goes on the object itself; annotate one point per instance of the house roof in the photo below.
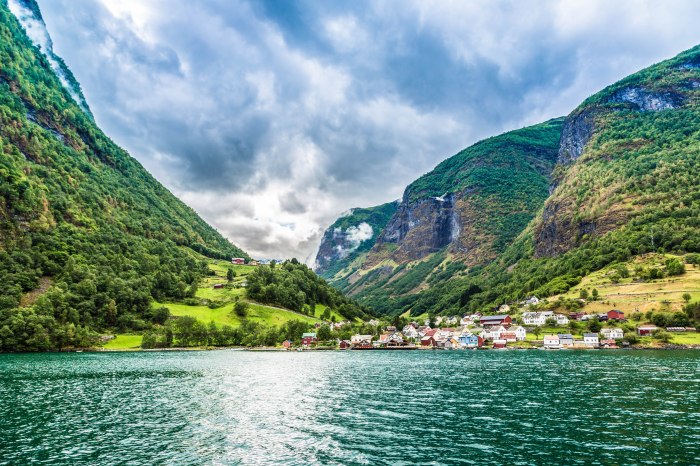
(566, 335)
(496, 317)
(590, 335)
(310, 335)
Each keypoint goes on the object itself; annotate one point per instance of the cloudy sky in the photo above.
(270, 118)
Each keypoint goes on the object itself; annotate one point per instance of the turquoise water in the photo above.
(235, 407)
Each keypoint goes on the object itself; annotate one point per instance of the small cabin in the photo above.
(218, 286)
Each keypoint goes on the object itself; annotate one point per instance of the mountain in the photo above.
(345, 244)
(616, 179)
(461, 214)
(87, 236)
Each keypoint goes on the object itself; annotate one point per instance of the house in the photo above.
(566, 340)
(612, 334)
(603, 317)
(390, 328)
(308, 339)
(509, 336)
(531, 301)
(551, 341)
(616, 315)
(428, 340)
(537, 319)
(344, 344)
(287, 344)
(422, 329)
(410, 331)
(253, 263)
(561, 319)
(361, 341)
(238, 261)
(469, 340)
(499, 344)
(492, 333)
(576, 315)
(391, 339)
(591, 339)
(520, 333)
(497, 320)
(647, 329)
(218, 286)
(608, 343)
(466, 320)
(504, 309)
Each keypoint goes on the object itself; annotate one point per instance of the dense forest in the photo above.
(87, 237)
(295, 286)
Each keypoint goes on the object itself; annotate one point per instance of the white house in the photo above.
(361, 340)
(520, 333)
(612, 334)
(591, 339)
(493, 333)
(410, 331)
(537, 318)
(531, 301)
(561, 319)
(551, 341)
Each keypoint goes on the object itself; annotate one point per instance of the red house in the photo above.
(428, 340)
(238, 261)
(344, 344)
(308, 339)
(287, 344)
(218, 286)
(497, 320)
(616, 315)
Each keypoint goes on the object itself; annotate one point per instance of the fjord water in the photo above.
(236, 407)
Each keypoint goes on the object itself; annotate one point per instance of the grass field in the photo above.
(124, 342)
(686, 338)
(628, 295)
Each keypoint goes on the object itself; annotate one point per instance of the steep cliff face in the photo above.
(593, 142)
(349, 239)
(491, 191)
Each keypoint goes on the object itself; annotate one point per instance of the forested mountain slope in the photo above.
(87, 236)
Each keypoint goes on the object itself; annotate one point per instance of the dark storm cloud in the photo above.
(272, 117)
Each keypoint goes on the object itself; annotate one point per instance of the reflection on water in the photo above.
(234, 407)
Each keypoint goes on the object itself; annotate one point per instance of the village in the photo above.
(545, 330)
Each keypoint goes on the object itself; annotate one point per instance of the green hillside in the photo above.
(87, 237)
(633, 189)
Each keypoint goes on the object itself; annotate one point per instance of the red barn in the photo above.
(344, 344)
(497, 320)
(616, 315)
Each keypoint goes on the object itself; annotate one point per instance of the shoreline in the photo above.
(274, 349)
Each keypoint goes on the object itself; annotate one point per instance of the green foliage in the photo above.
(240, 308)
(293, 285)
(674, 267)
(79, 213)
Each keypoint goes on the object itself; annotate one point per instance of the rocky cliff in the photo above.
(350, 237)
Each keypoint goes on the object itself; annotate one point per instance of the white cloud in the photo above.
(270, 124)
